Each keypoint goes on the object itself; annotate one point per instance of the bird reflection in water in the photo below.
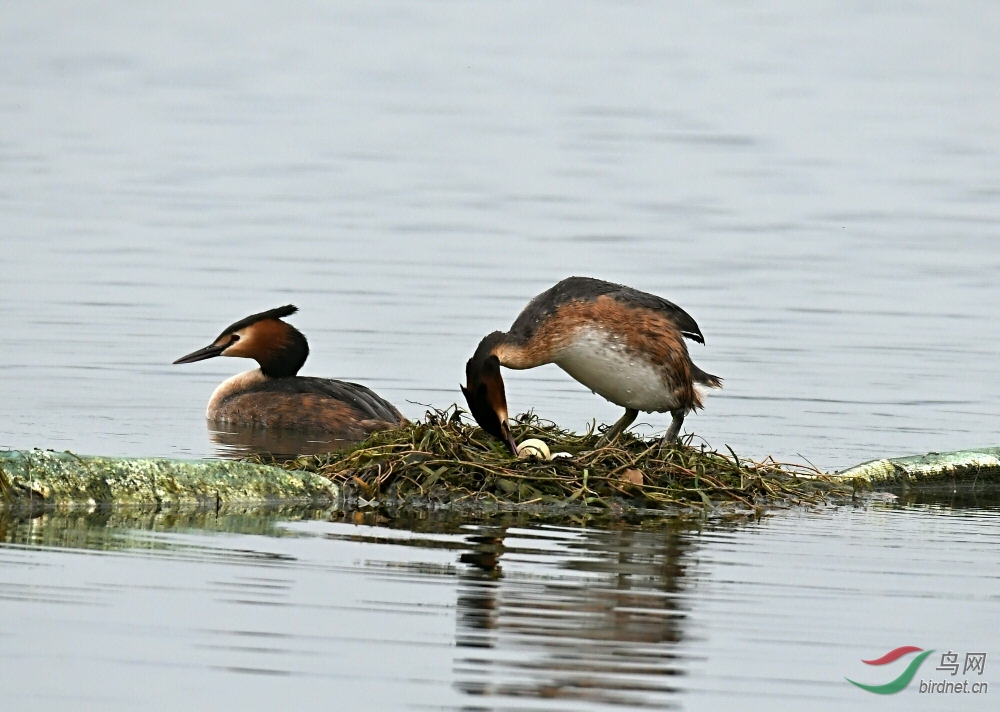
(607, 631)
(236, 441)
(477, 595)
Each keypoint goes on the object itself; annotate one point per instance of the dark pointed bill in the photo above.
(210, 351)
(508, 437)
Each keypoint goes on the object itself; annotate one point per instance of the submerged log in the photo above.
(48, 478)
(935, 469)
(62, 478)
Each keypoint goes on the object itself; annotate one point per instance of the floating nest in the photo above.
(443, 459)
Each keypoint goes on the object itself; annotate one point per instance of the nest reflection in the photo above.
(607, 631)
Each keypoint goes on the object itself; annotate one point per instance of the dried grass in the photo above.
(443, 458)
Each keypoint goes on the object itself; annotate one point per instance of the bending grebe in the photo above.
(272, 396)
(623, 344)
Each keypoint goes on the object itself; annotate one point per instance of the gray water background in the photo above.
(156, 612)
(818, 185)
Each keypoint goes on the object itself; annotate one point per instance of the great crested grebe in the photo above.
(272, 396)
(623, 344)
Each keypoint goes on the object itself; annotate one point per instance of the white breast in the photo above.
(601, 362)
(239, 382)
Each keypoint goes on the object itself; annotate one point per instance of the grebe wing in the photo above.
(684, 322)
(585, 289)
(363, 399)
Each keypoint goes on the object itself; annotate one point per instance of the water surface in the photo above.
(818, 185)
(125, 610)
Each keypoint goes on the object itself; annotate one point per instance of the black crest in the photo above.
(277, 313)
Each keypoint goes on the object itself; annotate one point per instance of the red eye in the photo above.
(236, 337)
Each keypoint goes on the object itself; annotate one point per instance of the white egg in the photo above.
(534, 447)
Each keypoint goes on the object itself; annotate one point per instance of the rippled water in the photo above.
(818, 185)
(133, 611)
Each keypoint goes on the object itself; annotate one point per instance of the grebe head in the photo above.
(485, 394)
(279, 348)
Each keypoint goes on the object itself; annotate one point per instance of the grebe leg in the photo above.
(675, 427)
(619, 427)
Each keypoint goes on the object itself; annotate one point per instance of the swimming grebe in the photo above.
(272, 396)
(623, 344)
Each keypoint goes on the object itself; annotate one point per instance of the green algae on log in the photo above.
(444, 461)
(62, 478)
(935, 469)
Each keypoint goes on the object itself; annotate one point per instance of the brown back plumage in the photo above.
(275, 397)
(643, 325)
